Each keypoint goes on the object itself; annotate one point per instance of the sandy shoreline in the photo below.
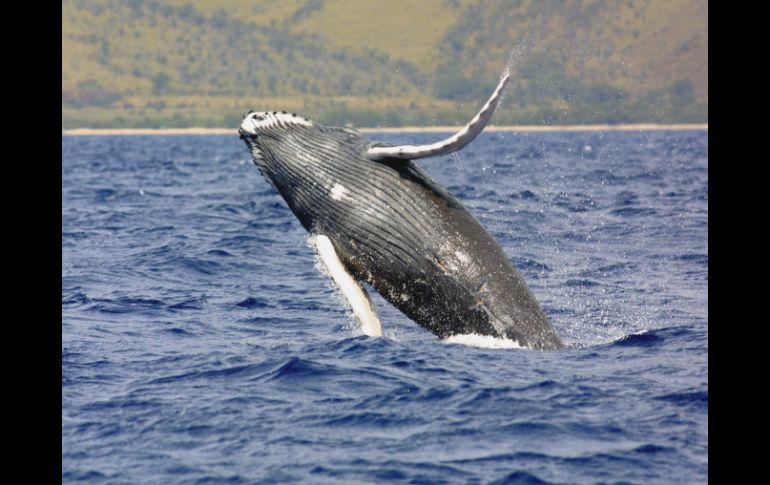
(405, 129)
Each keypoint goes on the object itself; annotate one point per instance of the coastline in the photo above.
(405, 129)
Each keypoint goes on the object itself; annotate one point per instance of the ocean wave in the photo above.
(200, 344)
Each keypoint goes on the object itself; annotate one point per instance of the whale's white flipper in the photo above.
(449, 145)
(355, 294)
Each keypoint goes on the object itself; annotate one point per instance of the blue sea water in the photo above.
(201, 344)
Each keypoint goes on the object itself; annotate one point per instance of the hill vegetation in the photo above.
(177, 63)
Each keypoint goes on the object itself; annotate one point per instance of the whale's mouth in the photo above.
(247, 129)
(251, 138)
(243, 134)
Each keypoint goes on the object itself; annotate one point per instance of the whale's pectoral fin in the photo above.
(356, 295)
(377, 151)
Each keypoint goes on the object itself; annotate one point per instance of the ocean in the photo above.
(201, 342)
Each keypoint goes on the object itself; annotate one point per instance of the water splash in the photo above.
(483, 341)
(516, 54)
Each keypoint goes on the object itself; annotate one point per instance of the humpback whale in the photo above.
(378, 218)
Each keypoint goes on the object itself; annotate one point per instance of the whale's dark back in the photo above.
(398, 230)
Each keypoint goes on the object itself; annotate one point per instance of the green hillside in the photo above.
(177, 63)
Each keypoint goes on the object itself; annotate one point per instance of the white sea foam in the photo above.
(483, 341)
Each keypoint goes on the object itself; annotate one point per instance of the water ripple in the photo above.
(201, 345)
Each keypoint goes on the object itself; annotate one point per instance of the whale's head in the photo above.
(299, 157)
(269, 134)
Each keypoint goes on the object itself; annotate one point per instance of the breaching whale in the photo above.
(379, 218)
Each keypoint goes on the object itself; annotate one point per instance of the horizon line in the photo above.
(412, 129)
